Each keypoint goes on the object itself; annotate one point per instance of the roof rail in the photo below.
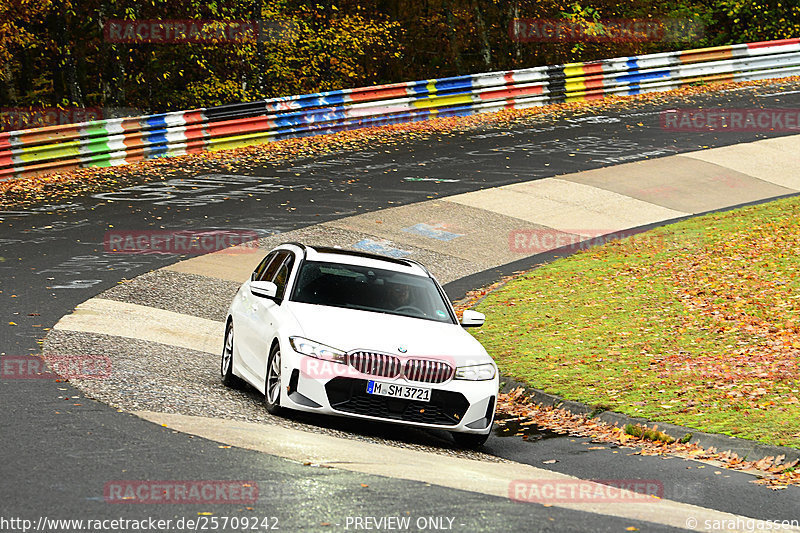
(365, 255)
(415, 262)
(298, 244)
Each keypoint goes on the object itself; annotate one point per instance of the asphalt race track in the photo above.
(62, 448)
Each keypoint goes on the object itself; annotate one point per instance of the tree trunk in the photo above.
(486, 49)
(451, 37)
(513, 14)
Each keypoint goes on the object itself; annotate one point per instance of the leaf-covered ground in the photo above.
(517, 413)
(695, 323)
(63, 186)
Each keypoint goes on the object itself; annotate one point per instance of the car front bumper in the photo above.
(455, 405)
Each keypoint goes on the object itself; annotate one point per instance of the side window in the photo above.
(282, 274)
(269, 272)
(262, 266)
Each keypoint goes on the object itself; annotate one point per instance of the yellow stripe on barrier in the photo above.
(576, 80)
(237, 141)
(49, 151)
(574, 69)
(440, 101)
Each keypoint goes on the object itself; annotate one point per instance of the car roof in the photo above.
(356, 257)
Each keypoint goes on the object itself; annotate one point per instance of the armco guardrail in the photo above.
(118, 141)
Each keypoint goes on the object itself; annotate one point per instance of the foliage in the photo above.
(644, 432)
(776, 19)
(55, 52)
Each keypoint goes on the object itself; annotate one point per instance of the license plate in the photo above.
(405, 392)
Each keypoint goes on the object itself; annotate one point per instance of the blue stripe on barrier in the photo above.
(156, 136)
(156, 150)
(418, 88)
(453, 84)
(156, 121)
(299, 118)
(457, 111)
(636, 76)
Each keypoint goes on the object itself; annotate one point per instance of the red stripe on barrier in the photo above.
(196, 147)
(5, 141)
(592, 68)
(378, 94)
(41, 169)
(196, 131)
(6, 160)
(193, 117)
(49, 134)
(509, 77)
(130, 125)
(594, 82)
(7, 173)
(239, 126)
(510, 92)
(767, 44)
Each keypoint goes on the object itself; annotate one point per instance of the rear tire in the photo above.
(229, 379)
(470, 440)
(272, 386)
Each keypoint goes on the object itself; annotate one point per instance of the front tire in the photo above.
(229, 379)
(470, 440)
(272, 387)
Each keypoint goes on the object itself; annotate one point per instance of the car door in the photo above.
(246, 327)
(267, 313)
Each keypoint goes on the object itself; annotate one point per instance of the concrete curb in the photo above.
(747, 449)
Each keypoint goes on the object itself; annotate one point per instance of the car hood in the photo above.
(351, 329)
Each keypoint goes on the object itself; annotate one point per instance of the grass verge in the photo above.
(694, 323)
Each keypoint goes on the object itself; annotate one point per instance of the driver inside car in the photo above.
(399, 296)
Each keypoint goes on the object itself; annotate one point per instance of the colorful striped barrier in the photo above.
(125, 140)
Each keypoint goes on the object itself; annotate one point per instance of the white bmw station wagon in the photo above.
(355, 334)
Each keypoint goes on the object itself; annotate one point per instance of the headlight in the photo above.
(476, 372)
(316, 349)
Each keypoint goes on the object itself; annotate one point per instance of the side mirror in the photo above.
(264, 289)
(472, 319)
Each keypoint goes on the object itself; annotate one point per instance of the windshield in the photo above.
(370, 289)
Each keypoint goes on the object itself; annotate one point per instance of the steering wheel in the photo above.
(412, 308)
